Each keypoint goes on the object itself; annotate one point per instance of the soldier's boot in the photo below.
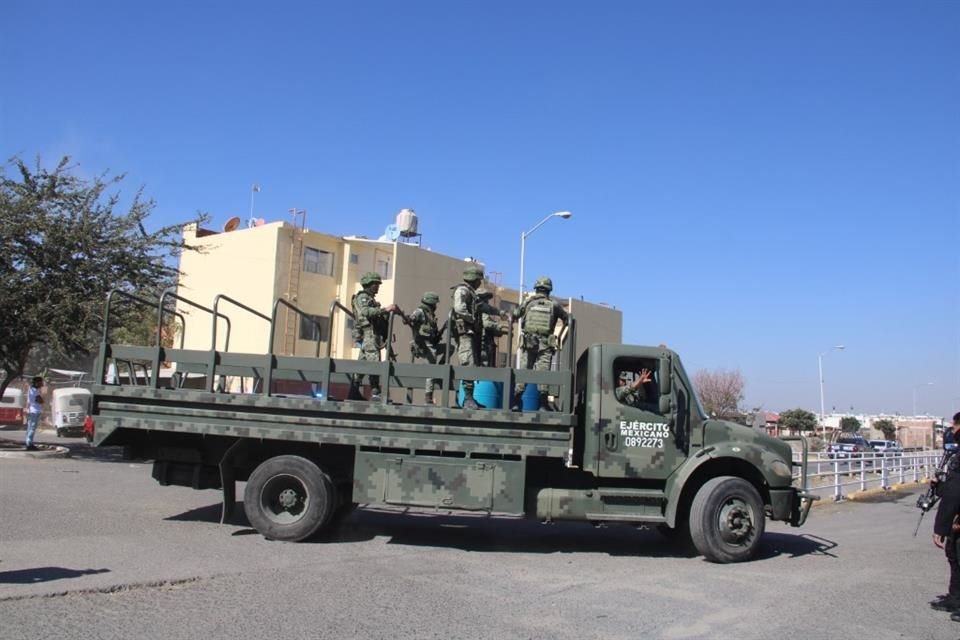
(428, 397)
(354, 393)
(468, 401)
(546, 404)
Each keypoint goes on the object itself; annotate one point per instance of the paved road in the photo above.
(92, 547)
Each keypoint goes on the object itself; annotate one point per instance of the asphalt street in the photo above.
(92, 547)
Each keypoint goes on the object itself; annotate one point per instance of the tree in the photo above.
(66, 244)
(798, 420)
(887, 427)
(720, 392)
(849, 424)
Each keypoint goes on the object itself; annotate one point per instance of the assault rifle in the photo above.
(931, 497)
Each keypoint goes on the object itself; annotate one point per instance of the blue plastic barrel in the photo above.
(530, 399)
(487, 394)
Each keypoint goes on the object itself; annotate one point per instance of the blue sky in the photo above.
(751, 182)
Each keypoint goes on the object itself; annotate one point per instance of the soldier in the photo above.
(636, 392)
(466, 317)
(538, 317)
(370, 330)
(946, 530)
(426, 337)
(491, 329)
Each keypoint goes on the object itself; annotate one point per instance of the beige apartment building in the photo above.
(257, 265)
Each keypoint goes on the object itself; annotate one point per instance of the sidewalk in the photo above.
(46, 440)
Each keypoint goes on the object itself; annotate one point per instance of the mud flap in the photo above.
(228, 479)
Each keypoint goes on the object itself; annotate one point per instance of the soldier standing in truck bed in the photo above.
(491, 329)
(426, 337)
(466, 319)
(370, 329)
(538, 317)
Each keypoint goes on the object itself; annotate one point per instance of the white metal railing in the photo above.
(869, 471)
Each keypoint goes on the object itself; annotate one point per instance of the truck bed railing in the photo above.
(266, 368)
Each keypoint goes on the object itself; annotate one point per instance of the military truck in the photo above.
(309, 459)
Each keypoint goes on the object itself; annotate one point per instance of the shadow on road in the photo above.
(511, 535)
(44, 574)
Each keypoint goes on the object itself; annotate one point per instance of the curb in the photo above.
(56, 452)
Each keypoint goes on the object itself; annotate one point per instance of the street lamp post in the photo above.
(523, 242)
(915, 387)
(523, 250)
(838, 347)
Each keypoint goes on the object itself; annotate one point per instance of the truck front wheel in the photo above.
(727, 520)
(288, 498)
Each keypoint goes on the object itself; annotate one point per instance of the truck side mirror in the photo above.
(666, 405)
(666, 377)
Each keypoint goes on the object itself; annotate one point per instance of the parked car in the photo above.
(850, 447)
(887, 447)
(12, 405)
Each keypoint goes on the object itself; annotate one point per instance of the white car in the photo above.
(887, 447)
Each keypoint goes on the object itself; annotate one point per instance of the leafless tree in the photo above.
(720, 391)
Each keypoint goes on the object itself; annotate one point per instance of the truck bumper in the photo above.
(791, 505)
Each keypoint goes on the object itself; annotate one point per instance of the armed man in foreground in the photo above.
(538, 317)
(426, 337)
(370, 330)
(946, 530)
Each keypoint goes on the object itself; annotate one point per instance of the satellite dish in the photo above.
(232, 224)
(392, 232)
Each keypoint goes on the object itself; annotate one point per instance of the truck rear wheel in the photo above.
(289, 498)
(727, 520)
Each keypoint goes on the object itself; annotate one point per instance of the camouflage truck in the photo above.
(307, 460)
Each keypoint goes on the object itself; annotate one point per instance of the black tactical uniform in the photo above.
(947, 511)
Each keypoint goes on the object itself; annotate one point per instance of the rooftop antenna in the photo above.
(252, 222)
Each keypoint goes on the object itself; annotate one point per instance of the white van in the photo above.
(68, 408)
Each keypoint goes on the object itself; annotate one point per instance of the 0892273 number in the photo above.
(649, 443)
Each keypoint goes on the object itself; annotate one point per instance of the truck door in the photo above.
(637, 440)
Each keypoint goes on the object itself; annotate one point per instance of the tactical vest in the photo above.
(428, 328)
(538, 318)
(360, 321)
(470, 320)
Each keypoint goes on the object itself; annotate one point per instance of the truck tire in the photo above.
(289, 498)
(727, 520)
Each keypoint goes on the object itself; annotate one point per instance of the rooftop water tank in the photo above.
(407, 223)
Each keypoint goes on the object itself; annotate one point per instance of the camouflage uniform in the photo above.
(369, 330)
(491, 329)
(426, 337)
(466, 316)
(538, 317)
(637, 398)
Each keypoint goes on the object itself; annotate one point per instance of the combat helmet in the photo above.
(370, 277)
(543, 282)
(430, 299)
(473, 272)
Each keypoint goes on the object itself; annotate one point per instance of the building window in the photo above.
(383, 268)
(350, 324)
(354, 258)
(317, 261)
(309, 329)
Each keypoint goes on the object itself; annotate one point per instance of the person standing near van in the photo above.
(34, 407)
